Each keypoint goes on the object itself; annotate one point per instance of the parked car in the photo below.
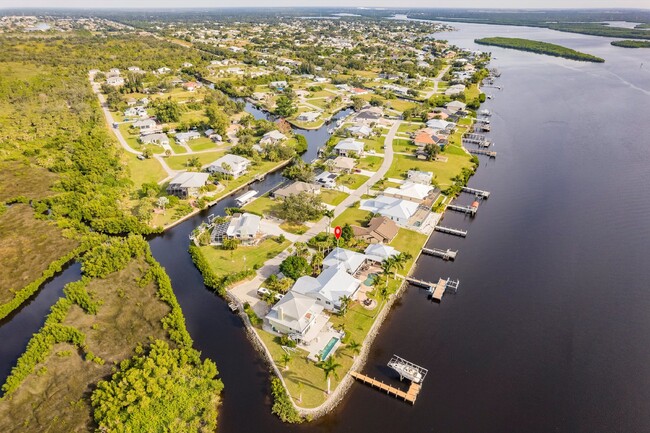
(263, 291)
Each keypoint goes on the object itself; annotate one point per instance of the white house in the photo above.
(159, 138)
(145, 125)
(115, 81)
(455, 106)
(456, 89)
(349, 261)
(273, 137)
(380, 252)
(417, 176)
(278, 85)
(439, 124)
(184, 137)
(244, 227)
(396, 209)
(328, 288)
(360, 130)
(294, 314)
(347, 146)
(416, 192)
(327, 179)
(233, 165)
(308, 116)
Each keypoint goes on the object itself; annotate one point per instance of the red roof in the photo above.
(425, 138)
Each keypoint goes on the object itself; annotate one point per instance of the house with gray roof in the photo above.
(294, 314)
(398, 210)
(184, 137)
(328, 288)
(159, 138)
(349, 261)
(349, 146)
(233, 165)
(245, 228)
(187, 184)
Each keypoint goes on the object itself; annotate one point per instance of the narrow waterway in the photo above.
(548, 331)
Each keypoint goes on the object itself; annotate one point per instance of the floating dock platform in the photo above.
(438, 289)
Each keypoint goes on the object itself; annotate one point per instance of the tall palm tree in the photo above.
(301, 249)
(317, 261)
(285, 360)
(387, 266)
(329, 367)
(354, 347)
(329, 214)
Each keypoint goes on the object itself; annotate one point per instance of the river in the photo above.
(549, 329)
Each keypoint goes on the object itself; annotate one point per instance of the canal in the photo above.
(549, 329)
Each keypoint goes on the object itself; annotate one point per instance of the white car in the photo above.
(263, 291)
(278, 296)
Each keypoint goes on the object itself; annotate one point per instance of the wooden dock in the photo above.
(408, 396)
(471, 210)
(490, 153)
(443, 254)
(439, 289)
(478, 192)
(450, 231)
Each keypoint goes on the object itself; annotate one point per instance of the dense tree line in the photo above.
(539, 47)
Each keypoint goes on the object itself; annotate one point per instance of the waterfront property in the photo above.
(329, 288)
(398, 210)
(294, 314)
(296, 188)
(187, 184)
(349, 147)
(380, 230)
(233, 165)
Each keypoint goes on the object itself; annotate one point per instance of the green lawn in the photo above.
(352, 216)
(370, 163)
(202, 143)
(374, 143)
(403, 146)
(224, 262)
(332, 197)
(148, 170)
(409, 128)
(296, 229)
(262, 205)
(443, 171)
(400, 105)
(305, 381)
(408, 241)
(176, 147)
(471, 93)
(180, 162)
(352, 181)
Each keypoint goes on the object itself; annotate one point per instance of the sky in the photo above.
(483, 4)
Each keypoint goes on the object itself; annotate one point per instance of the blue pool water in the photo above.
(328, 348)
(370, 280)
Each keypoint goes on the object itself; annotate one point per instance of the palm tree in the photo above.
(329, 366)
(354, 347)
(329, 214)
(387, 266)
(285, 360)
(345, 303)
(317, 261)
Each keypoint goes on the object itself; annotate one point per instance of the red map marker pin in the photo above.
(337, 232)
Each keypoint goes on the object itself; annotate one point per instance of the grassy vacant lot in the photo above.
(404, 146)
(371, 163)
(56, 398)
(262, 205)
(27, 247)
(352, 181)
(408, 241)
(22, 178)
(145, 171)
(225, 262)
(332, 197)
(202, 143)
(443, 171)
(180, 162)
(352, 216)
(410, 127)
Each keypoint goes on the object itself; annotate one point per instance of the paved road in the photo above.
(436, 81)
(118, 134)
(246, 291)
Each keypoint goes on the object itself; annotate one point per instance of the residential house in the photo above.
(342, 164)
(278, 85)
(415, 192)
(349, 261)
(191, 86)
(380, 230)
(233, 165)
(360, 130)
(398, 210)
(349, 146)
(379, 252)
(187, 184)
(308, 116)
(456, 89)
(184, 137)
(422, 139)
(245, 228)
(163, 70)
(327, 179)
(440, 125)
(294, 314)
(146, 126)
(273, 137)
(328, 289)
(115, 81)
(417, 176)
(370, 114)
(455, 106)
(158, 138)
(296, 188)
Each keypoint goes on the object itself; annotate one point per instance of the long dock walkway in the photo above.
(490, 153)
(408, 396)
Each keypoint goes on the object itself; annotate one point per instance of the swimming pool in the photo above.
(328, 348)
(370, 280)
